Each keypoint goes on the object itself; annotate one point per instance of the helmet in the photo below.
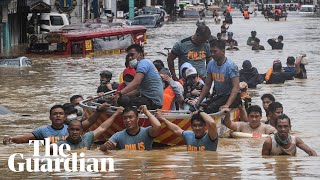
(106, 74)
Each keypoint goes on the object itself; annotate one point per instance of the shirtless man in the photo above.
(253, 126)
(282, 143)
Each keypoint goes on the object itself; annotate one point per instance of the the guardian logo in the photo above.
(57, 160)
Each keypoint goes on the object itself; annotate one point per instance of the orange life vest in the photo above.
(168, 96)
(229, 8)
(268, 74)
(246, 14)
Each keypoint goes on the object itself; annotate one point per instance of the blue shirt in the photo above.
(86, 141)
(204, 143)
(222, 76)
(290, 72)
(196, 55)
(151, 86)
(141, 141)
(54, 134)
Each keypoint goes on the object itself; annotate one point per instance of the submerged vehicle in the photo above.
(148, 21)
(15, 61)
(307, 10)
(164, 17)
(88, 39)
(192, 14)
(166, 137)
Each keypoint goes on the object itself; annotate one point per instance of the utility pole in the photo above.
(131, 10)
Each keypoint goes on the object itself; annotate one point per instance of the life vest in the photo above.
(121, 78)
(168, 96)
(246, 14)
(268, 74)
(277, 11)
(228, 8)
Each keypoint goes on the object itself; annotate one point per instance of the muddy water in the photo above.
(31, 92)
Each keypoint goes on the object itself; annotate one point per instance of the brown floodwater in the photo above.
(53, 80)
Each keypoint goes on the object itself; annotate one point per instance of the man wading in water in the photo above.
(58, 130)
(134, 137)
(282, 143)
(197, 139)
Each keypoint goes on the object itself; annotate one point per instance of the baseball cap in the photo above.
(191, 71)
(129, 71)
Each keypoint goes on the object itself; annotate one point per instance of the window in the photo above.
(23, 61)
(10, 62)
(76, 48)
(28, 62)
(56, 21)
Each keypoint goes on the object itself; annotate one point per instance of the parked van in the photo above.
(44, 23)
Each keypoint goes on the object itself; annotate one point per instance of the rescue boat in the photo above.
(166, 137)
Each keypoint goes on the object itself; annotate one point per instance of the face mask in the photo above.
(72, 117)
(133, 63)
(126, 83)
(80, 110)
(103, 82)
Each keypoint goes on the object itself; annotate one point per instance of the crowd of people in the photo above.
(149, 85)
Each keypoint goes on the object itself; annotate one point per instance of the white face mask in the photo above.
(133, 63)
(80, 110)
(72, 117)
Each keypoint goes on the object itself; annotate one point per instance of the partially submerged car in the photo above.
(307, 10)
(15, 61)
(148, 21)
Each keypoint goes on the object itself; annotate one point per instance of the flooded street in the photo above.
(53, 80)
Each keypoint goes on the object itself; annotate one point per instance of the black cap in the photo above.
(106, 74)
